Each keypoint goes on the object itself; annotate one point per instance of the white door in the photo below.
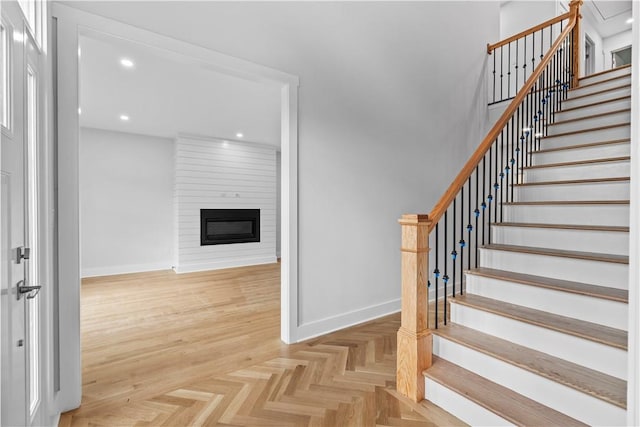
(19, 307)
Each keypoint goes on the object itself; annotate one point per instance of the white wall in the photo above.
(213, 174)
(614, 43)
(384, 126)
(588, 28)
(517, 16)
(126, 202)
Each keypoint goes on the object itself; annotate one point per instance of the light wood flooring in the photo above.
(161, 349)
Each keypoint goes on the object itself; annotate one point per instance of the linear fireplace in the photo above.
(225, 226)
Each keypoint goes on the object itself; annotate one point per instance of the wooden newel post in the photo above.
(414, 338)
(574, 8)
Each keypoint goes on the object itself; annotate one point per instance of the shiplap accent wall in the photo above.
(213, 174)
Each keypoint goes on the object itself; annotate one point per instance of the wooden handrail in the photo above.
(492, 47)
(446, 199)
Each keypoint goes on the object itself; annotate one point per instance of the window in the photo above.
(34, 12)
(33, 306)
(4, 85)
(29, 10)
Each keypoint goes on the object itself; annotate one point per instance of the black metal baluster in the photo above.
(476, 212)
(512, 160)
(533, 54)
(462, 242)
(436, 274)
(502, 181)
(445, 278)
(469, 228)
(517, 62)
(496, 185)
(527, 134)
(494, 77)
(454, 253)
(509, 73)
(489, 197)
(501, 75)
(483, 204)
(541, 43)
(524, 62)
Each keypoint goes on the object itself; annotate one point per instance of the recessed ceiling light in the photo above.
(225, 144)
(127, 63)
(629, 21)
(79, 111)
(124, 117)
(239, 135)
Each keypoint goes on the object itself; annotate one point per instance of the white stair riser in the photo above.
(617, 215)
(610, 242)
(599, 97)
(597, 135)
(464, 409)
(567, 400)
(586, 89)
(593, 355)
(606, 120)
(620, 104)
(605, 76)
(585, 153)
(600, 273)
(582, 307)
(584, 171)
(616, 190)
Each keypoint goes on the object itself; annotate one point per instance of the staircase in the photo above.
(539, 336)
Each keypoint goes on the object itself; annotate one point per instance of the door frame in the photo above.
(71, 24)
(589, 61)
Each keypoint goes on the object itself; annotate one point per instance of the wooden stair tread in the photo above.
(590, 256)
(612, 70)
(500, 400)
(590, 331)
(603, 292)
(573, 132)
(616, 228)
(623, 76)
(568, 202)
(594, 383)
(588, 145)
(593, 104)
(580, 162)
(599, 92)
(608, 113)
(574, 181)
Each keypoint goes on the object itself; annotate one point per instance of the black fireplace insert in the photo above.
(225, 226)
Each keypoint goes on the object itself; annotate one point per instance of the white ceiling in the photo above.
(164, 97)
(610, 15)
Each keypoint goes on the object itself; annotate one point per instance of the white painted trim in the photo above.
(345, 320)
(71, 24)
(123, 269)
(218, 265)
(633, 382)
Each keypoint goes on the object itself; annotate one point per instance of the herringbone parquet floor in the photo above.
(346, 378)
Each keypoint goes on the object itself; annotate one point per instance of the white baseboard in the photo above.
(330, 324)
(125, 269)
(218, 265)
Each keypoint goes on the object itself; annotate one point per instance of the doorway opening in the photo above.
(589, 56)
(74, 24)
